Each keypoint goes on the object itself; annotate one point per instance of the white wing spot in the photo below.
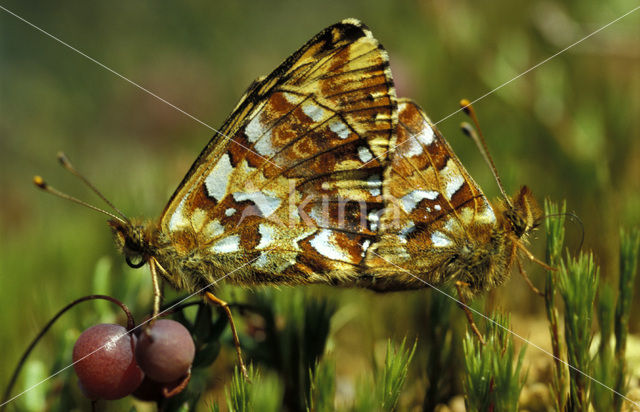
(440, 240)
(364, 154)
(324, 245)
(487, 215)
(365, 246)
(375, 184)
(374, 219)
(254, 129)
(426, 135)
(338, 127)
(437, 207)
(453, 178)
(228, 244)
(266, 204)
(410, 148)
(292, 98)
(178, 220)
(267, 235)
(217, 181)
(411, 200)
(453, 185)
(230, 211)
(264, 146)
(315, 112)
(415, 144)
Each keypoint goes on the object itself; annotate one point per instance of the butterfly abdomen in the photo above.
(198, 268)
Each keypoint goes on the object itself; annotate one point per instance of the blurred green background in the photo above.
(569, 129)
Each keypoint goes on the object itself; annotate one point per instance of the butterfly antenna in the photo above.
(478, 138)
(574, 218)
(64, 161)
(38, 181)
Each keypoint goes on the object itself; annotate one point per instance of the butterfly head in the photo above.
(133, 239)
(523, 214)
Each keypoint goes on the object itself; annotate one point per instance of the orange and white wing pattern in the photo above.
(431, 203)
(285, 188)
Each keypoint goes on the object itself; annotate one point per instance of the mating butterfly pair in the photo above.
(321, 175)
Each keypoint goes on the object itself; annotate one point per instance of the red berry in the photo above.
(165, 351)
(104, 361)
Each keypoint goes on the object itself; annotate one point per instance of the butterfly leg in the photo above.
(157, 292)
(465, 307)
(526, 279)
(535, 259)
(217, 301)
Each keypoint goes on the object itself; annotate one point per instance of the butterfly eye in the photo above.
(135, 265)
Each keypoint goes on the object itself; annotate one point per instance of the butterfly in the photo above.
(267, 189)
(322, 175)
(437, 226)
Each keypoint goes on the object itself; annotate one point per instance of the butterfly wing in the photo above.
(431, 203)
(282, 182)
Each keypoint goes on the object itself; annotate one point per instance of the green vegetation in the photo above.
(578, 282)
(582, 379)
(493, 378)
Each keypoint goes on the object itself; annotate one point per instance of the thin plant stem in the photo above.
(555, 241)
